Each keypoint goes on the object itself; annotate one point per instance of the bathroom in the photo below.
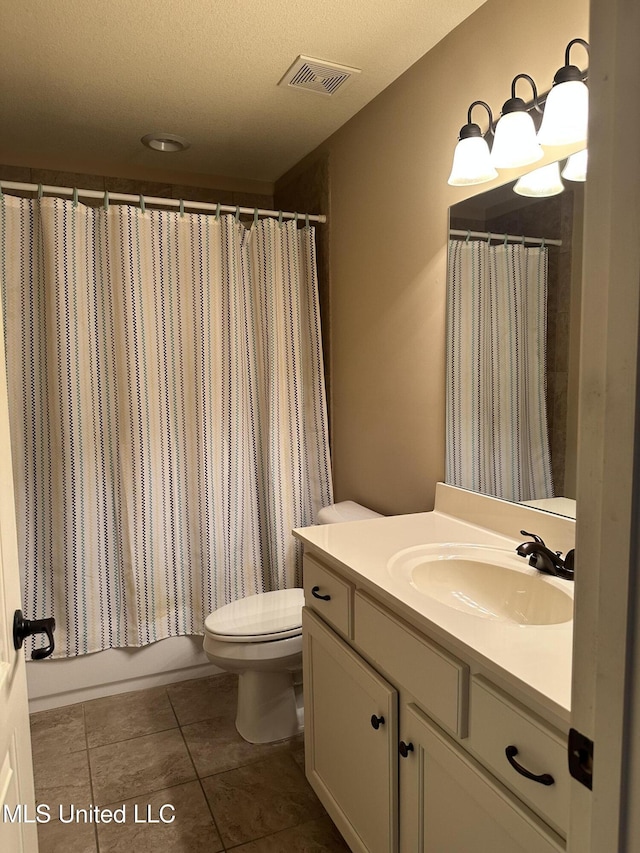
(384, 304)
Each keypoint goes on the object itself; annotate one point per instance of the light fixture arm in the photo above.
(584, 43)
(515, 99)
(491, 127)
(569, 73)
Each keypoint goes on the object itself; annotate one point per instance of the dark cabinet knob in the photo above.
(405, 748)
(23, 628)
(376, 722)
(315, 592)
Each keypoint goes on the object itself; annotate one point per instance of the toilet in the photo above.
(260, 638)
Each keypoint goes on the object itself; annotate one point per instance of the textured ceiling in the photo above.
(83, 80)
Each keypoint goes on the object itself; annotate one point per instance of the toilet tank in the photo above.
(345, 511)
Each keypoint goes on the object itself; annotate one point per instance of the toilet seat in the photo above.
(259, 618)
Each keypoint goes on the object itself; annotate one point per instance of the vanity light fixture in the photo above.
(471, 158)
(541, 183)
(515, 142)
(566, 111)
(575, 168)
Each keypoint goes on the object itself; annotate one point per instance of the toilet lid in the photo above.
(266, 616)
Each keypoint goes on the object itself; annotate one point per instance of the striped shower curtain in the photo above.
(167, 413)
(497, 438)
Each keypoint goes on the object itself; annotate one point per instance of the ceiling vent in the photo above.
(316, 75)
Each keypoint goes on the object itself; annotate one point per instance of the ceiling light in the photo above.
(576, 166)
(540, 183)
(515, 142)
(166, 142)
(471, 158)
(566, 111)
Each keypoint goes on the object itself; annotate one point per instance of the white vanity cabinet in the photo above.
(448, 802)
(351, 739)
(433, 776)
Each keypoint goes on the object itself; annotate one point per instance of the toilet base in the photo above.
(268, 708)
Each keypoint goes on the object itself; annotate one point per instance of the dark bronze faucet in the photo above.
(545, 560)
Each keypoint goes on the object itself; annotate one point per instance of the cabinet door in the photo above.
(351, 729)
(448, 802)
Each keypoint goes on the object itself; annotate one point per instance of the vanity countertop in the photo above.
(534, 659)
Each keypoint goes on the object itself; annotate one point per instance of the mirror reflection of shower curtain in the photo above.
(496, 436)
(167, 413)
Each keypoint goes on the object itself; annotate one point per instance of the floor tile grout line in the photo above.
(86, 739)
(173, 710)
(186, 746)
(213, 817)
(134, 737)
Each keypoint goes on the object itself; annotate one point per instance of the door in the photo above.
(16, 774)
(605, 703)
(449, 803)
(350, 740)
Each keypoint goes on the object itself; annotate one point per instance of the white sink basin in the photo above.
(487, 582)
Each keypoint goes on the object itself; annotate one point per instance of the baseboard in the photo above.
(67, 681)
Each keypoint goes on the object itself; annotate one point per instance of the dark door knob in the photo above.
(23, 628)
(376, 722)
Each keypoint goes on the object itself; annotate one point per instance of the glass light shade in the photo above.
(566, 114)
(576, 167)
(471, 163)
(515, 142)
(540, 183)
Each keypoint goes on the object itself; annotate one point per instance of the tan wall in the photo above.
(224, 191)
(388, 229)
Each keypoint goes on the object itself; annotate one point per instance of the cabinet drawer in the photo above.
(329, 596)
(453, 805)
(436, 679)
(496, 722)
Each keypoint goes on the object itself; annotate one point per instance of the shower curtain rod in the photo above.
(166, 202)
(510, 238)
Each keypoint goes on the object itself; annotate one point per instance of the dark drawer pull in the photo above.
(405, 749)
(543, 778)
(376, 722)
(315, 592)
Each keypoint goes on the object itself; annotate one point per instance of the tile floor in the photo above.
(174, 745)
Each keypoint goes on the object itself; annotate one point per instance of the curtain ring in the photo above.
(295, 217)
(505, 239)
(280, 217)
(237, 213)
(255, 215)
(488, 238)
(468, 235)
(75, 196)
(543, 243)
(142, 205)
(181, 207)
(523, 238)
(39, 191)
(306, 220)
(106, 201)
(218, 212)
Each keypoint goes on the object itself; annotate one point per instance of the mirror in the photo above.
(501, 212)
